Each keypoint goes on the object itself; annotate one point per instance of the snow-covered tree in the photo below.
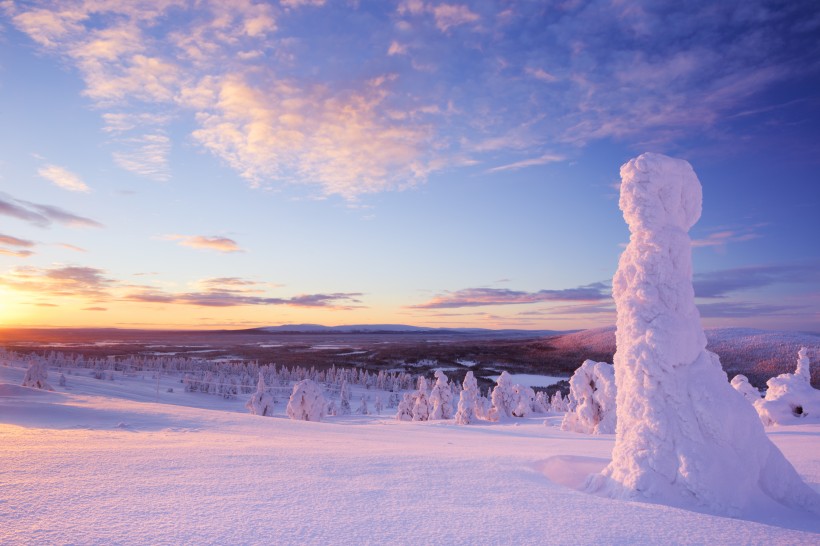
(307, 401)
(441, 398)
(684, 435)
(790, 398)
(37, 375)
(468, 401)
(405, 408)
(558, 403)
(591, 399)
(421, 403)
(363, 409)
(542, 403)
(523, 400)
(741, 384)
(344, 399)
(261, 402)
(378, 405)
(503, 398)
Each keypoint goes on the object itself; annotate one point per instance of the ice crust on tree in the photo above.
(37, 375)
(503, 397)
(790, 398)
(307, 401)
(591, 399)
(684, 436)
(261, 402)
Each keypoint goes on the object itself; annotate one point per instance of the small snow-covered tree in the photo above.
(790, 398)
(441, 398)
(378, 405)
(468, 401)
(405, 408)
(421, 404)
(558, 403)
(503, 398)
(36, 376)
(61, 380)
(307, 401)
(523, 400)
(591, 399)
(363, 409)
(344, 402)
(741, 384)
(261, 402)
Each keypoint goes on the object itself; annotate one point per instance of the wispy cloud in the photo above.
(475, 297)
(719, 240)
(743, 309)
(15, 241)
(542, 160)
(60, 281)
(337, 300)
(63, 178)
(74, 248)
(260, 99)
(42, 215)
(220, 244)
(720, 284)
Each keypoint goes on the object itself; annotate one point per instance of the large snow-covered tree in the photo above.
(684, 436)
(307, 401)
(421, 402)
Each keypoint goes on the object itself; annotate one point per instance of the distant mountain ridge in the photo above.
(758, 354)
(392, 328)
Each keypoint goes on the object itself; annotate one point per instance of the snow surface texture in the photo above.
(591, 399)
(790, 398)
(684, 436)
(101, 463)
(307, 402)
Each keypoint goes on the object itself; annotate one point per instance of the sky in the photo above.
(213, 164)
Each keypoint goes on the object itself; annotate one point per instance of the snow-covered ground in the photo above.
(102, 462)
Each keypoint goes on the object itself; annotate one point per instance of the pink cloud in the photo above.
(220, 244)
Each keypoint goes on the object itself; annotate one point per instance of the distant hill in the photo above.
(758, 354)
(393, 329)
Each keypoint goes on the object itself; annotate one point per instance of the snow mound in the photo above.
(591, 399)
(790, 398)
(684, 436)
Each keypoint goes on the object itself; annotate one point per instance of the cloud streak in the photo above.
(477, 297)
(220, 244)
(63, 178)
(42, 215)
(721, 284)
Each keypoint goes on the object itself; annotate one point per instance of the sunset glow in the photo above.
(203, 164)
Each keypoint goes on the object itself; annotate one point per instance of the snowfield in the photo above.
(101, 462)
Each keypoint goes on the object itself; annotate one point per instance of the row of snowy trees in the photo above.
(506, 400)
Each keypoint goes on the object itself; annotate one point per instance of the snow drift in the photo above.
(684, 436)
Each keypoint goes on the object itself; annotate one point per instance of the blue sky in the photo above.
(187, 164)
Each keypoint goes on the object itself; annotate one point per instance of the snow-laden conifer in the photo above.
(684, 435)
(591, 399)
(441, 398)
(468, 401)
(790, 398)
(307, 401)
(261, 402)
(37, 375)
(504, 398)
